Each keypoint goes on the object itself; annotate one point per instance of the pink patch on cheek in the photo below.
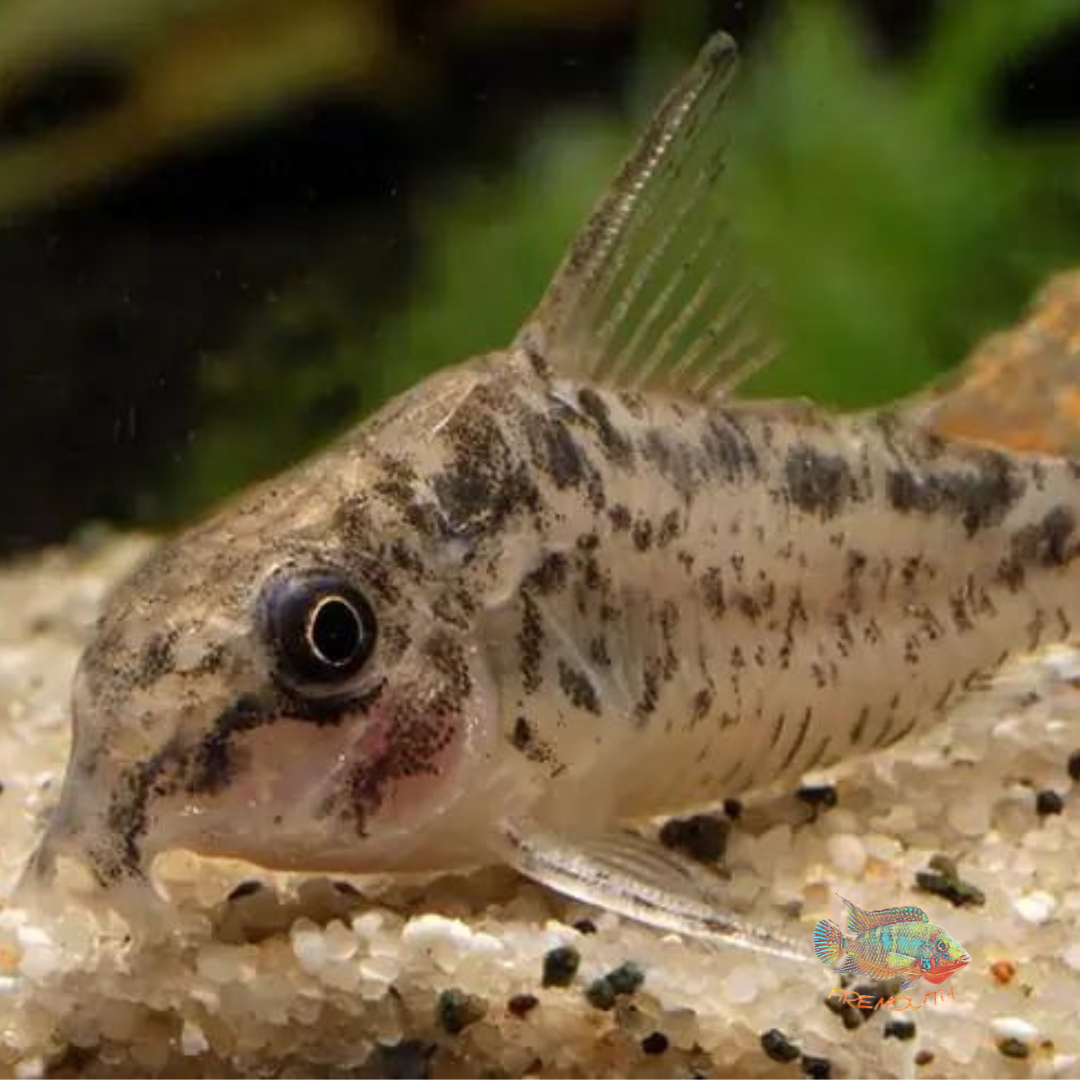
(401, 771)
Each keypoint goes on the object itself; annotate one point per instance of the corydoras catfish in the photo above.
(562, 588)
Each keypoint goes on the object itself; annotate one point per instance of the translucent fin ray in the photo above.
(636, 878)
(652, 292)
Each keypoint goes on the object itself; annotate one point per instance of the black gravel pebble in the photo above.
(246, 888)
(1074, 765)
(702, 837)
(818, 1068)
(823, 795)
(942, 879)
(1048, 802)
(456, 1010)
(900, 1029)
(585, 926)
(560, 966)
(656, 1043)
(600, 995)
(778, 1046)
(733, 808)
(851, 1016)
(522, 1004)
(626, 978)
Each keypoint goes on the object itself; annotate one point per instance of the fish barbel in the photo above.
(561, 588)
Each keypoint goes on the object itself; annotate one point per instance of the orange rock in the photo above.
(1004, 971)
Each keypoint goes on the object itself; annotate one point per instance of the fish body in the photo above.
(888, 944)
(560, 588)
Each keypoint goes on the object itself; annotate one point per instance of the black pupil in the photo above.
(335, 632)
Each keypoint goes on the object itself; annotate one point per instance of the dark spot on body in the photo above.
(530, 644)
(214, 762)
(522, 735)
(670, 528)
(620, 517)
(555, 451)
(729, 449)
(650, 691)
(977, 497)
(643, 534)
(703, 701)
(800, 738)
(672, 460)
(712, 587)
(818, 483)
(156, 658)
(598, 652)
(483, 484)
(616, 446)
(550, 575)
(1042, 544)
(578, 688)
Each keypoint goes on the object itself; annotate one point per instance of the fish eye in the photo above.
(321, 628)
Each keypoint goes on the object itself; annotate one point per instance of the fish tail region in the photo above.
(1020, 389)
(829, 942)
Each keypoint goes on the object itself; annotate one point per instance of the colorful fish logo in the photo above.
(884, 944)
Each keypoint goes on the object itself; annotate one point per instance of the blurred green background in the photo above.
(228, 228)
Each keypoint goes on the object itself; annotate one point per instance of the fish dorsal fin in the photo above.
(859, 921)
(651, 293)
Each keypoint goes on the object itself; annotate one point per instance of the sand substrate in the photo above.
(266, 975)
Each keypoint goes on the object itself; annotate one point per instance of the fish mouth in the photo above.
(959, 962)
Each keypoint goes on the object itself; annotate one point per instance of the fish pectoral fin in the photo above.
(653, 292)
(910, 981)
(632, 876)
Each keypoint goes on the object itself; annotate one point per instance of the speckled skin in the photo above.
(592, 605)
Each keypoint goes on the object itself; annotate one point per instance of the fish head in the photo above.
(946, 956)
(296, 682)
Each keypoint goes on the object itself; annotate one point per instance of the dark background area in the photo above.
(188, 302)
